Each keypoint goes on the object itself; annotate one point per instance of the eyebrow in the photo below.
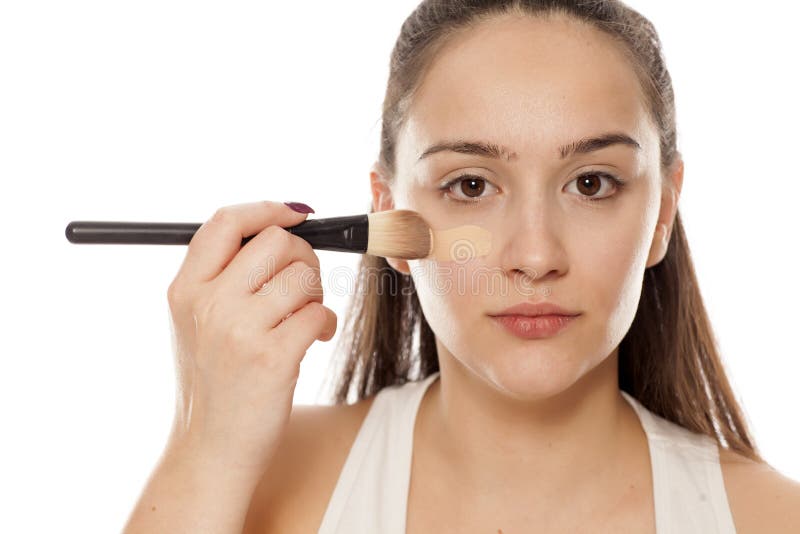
(492, 150)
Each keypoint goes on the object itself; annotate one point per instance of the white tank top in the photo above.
(371, 493)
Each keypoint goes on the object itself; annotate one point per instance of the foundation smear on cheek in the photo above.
(461, 243)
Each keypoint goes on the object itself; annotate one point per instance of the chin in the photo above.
(530, 373)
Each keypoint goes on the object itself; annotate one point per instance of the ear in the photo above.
(670, 193)
(383, 199)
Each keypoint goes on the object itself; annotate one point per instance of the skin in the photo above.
(529, 423)
(517, 433)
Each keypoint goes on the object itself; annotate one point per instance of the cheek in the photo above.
(611, 269)
(452, 294)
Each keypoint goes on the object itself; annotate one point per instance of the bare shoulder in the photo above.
(294, 492)
(762, 500)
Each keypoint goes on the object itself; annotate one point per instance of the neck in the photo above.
(488, 440)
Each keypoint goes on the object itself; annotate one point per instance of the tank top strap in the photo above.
(688, 487)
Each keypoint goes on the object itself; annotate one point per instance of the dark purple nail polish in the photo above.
(300, 207)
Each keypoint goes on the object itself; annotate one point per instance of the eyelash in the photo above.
(618, 183)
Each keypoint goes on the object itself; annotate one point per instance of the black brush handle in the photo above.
(343, 234)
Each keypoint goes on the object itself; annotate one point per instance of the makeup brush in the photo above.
(400, 234)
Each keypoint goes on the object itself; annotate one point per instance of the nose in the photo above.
(532, 249)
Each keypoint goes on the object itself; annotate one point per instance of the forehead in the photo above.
(527, 83)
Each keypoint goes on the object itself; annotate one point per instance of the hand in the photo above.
(242, 321)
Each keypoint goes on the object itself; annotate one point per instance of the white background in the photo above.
(166, 110)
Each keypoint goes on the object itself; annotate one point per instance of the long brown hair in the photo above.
(668, 359)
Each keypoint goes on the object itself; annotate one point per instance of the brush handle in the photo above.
(343, 234)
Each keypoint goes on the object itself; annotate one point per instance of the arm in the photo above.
(193, 492)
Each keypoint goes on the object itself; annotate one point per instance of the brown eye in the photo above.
(590, 185)
(473, 187)
(468, 188)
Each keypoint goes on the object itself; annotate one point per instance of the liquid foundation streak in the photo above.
(461, 243)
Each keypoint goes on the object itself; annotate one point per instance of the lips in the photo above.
(538, 327)
(530, 309)
(534, 321)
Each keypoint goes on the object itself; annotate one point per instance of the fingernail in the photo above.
(300, 207)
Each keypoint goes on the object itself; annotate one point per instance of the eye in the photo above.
(589, 184)
(468, 188)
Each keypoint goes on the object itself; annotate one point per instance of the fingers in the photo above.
(218, 240)
(270, 251)
(289, 290)
(311, 322)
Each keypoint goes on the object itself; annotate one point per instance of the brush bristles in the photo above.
(400, 234)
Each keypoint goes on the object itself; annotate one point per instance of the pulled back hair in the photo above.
(668, 359)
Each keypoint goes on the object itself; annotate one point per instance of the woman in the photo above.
(550, 123)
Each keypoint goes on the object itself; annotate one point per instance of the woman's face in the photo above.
(530, 87)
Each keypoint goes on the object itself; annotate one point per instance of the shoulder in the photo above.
(762, 500)
(294, 491)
